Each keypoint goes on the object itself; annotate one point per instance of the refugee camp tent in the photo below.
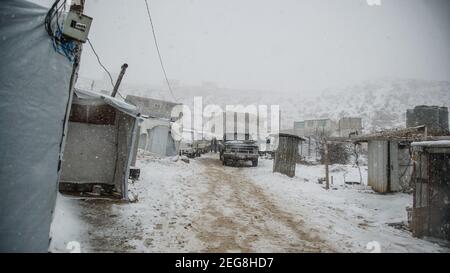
(155, 134)
(100, 142)
(34, 95)
(156, 137)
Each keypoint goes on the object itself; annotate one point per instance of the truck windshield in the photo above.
(236, 136)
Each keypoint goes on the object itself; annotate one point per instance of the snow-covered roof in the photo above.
(410, 133)
(289, 133)
(114, 102)
(153, 108)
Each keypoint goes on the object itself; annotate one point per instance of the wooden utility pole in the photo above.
(119, 79)
(327, 162)
(309, 146)
(78, 6)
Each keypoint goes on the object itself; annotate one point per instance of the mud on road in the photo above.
(204, 207)
(238, 216)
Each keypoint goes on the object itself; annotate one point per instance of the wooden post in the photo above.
(78, 6)
(327, 162)
(309, 146)
(301, 148)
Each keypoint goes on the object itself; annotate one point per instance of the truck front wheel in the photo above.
(255, 162)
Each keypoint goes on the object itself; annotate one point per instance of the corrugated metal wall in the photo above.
(377, 165)
(394, 167)
(286, 155)
(383, 166)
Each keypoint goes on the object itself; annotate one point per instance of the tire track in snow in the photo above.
(239, 216)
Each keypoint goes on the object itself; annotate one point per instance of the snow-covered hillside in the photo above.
(381, 103)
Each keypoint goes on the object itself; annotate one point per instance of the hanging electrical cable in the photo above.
(53, 28)
(63, 46)
(100, 63)
(104, 68)
(158, 51)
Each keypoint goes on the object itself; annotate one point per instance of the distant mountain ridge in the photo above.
(380, 103)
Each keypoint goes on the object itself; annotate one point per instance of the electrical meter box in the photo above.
(77, 26)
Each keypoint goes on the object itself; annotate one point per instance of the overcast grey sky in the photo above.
(298, 45)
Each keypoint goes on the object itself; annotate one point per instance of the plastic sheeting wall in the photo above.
(90, 154)
(160, 141)
(156, 138)
(34, 93)
(100, 141)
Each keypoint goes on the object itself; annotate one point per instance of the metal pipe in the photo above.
(119, 79)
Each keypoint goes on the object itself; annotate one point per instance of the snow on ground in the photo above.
(349, 217)
(66, 226)
(167, 193)
(202, 206)
(158, 221)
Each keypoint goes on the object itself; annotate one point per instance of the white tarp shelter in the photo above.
(155, 134)
(156, 137)
(34, 95)
(100, 143)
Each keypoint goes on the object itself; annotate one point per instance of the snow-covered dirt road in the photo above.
(202, 206)
(238, 216)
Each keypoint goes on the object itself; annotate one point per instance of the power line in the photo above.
(100, 63)
(157, 49)
(104, 68)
